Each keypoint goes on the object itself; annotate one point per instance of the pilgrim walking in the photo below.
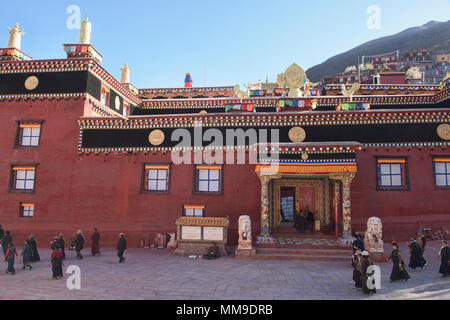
(416, 260)
(62, 243)
(79, 242)
(357, 270)
(26, 255)
(445, 259)
(95, 250)
(398, 270)
(365, 264)
(10, 256)
(34, 251)
(57, 261)
(2, 234)
(121, 247)
(7, 239)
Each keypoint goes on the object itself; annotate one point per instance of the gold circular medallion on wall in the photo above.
(31, 83)
(444, 131)
(203, 112)
(297, 134)
(156, 137)
(305, 156)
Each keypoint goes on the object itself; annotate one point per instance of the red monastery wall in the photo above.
(400, 211)
(103, 191)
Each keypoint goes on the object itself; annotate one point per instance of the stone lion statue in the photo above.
(245, 229)
(374, 235)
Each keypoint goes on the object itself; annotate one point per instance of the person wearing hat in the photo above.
(357, 270)
(398, 271)
(365, 264)
(121, 247)
(445, 259)
(416, 259)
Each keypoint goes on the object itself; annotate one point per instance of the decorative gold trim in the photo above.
(297, 134)
(156, 137)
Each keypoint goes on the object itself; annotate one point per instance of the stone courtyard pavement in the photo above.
(158, 275)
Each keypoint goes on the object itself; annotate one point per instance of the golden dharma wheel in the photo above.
(31, 83)
(297, 134)
(156, 137)
(444, 131)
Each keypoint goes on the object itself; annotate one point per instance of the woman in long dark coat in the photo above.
(7, 239)
(26, 255)
(57, 260)
(357, 269)
(416, 260)
(121, 247)
(34, 251)
(399, 269)
(365, 264)
(95, 243)
(445, 259)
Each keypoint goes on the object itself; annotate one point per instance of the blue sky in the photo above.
(231, 42)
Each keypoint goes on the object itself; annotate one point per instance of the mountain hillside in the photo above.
(434, 36)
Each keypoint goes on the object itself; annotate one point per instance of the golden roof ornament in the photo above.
(15, 37)
(85, 32)
(349, 93)
(125, 74)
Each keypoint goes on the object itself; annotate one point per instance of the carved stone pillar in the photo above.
(337, 204)
(265, 227)
(347, 205)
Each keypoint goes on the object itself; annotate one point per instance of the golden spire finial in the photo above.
(15, 37)
(85, 32)
(125, 74)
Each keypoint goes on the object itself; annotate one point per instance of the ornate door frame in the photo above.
(320, 185)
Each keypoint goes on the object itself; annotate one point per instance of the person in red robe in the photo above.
(95, 243)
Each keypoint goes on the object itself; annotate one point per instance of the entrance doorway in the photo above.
(290, 195)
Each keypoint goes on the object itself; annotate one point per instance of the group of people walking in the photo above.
(361, 261)
(30, 252)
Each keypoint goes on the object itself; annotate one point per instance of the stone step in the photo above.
(279, 256)
(296, 235)
(305, 251)
(303, 246)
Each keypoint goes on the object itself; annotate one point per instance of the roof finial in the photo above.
(125, 74)
(15, 37)
(85, 32)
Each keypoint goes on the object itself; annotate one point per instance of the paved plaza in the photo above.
(159, 275)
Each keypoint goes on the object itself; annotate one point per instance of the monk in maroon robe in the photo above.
(95, 243)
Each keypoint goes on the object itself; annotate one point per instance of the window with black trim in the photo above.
(208, 179)
(23, 178)
(27, 210)
(442, 172)
(194, 211)
(156, 178)
(392, 174)
(29, 135)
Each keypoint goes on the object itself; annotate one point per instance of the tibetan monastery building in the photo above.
(81, 149)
